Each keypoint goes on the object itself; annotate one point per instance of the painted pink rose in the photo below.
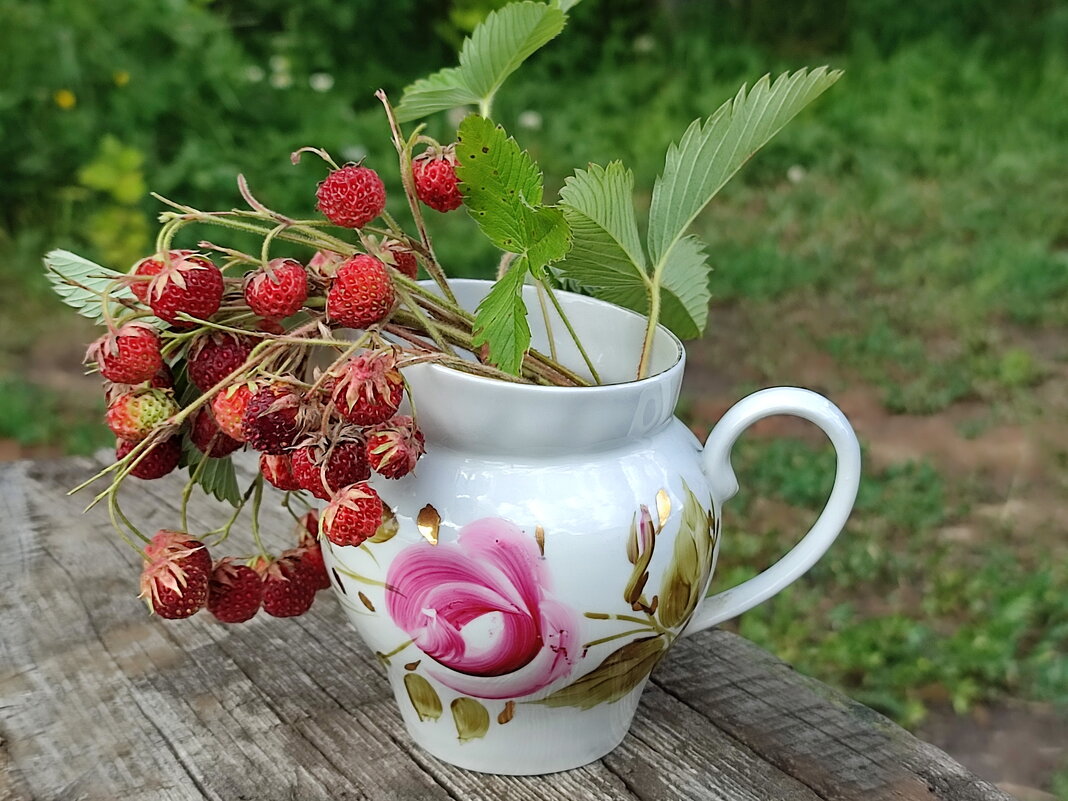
(479, 607)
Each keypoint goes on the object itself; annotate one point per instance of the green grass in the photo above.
(911, 229)
(894, 613)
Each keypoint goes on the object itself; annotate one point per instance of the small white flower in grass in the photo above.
(254, 74)
(281, 80)
(796, 174)
(531, 120)
(646, 43)
(279, 63)
(321, 81)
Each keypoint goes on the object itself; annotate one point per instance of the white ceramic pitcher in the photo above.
(553, 542)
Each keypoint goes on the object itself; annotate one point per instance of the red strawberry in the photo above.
(289, 586)
(323, 468)
(228, 406)
(278, 290)
(353, 515)
(130, 355)
(352, 196)
(159, 460)
(190, 285)
(213, 356)
(235, 592)
(308, 545)
(271, 422)
(174, 580)
(361, 293)
(369, 388)
(133, 415)
(436, 184)
(278, 469)
(151, 266)
(270, 326)
(208, 437)
(394, 447)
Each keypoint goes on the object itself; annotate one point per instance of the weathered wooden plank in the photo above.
(98, 700)
(839, 748)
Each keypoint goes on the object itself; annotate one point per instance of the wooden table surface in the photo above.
(100, 701)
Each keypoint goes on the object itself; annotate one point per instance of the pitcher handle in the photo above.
(724, 484)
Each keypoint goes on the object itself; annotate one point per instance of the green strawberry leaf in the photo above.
(80, 283)
(684, 292)
(711, 152)
(501, 320)
(502, 190)
(496, 48)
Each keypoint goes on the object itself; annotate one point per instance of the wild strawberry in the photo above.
(324, 467)
(352, 196)
(289, 586)
(235, 592)
(208, 437)
(309, 547)
(397, 255)
(149, 267)
(436, 184)
(190, 285)
(215, 355)
(353, 515)
(394, 447)
(271, 422)
(158, 461)
(228, 406)
(166, 543)
(369, 388)
(130, 355)
(174, 580)
(133, 415)
(361, 292)
(278, 290)
(270, 326)
(278, 470)
(163, 379)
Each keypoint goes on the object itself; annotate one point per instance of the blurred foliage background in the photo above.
(902, 247)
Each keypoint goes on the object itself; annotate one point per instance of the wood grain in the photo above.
(98, 700)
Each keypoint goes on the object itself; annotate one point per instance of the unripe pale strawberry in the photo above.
(228, 406)
(133, 415)
(278, 290)
(352, 196)
(361, 292)
(130, 355)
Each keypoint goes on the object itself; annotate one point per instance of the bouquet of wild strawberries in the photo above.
(210, 350)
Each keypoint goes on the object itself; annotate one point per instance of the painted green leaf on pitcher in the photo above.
(471, 718)
(687, 574)
(617, 675)
(423, 696)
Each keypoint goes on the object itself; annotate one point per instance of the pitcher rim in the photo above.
(677, 365)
